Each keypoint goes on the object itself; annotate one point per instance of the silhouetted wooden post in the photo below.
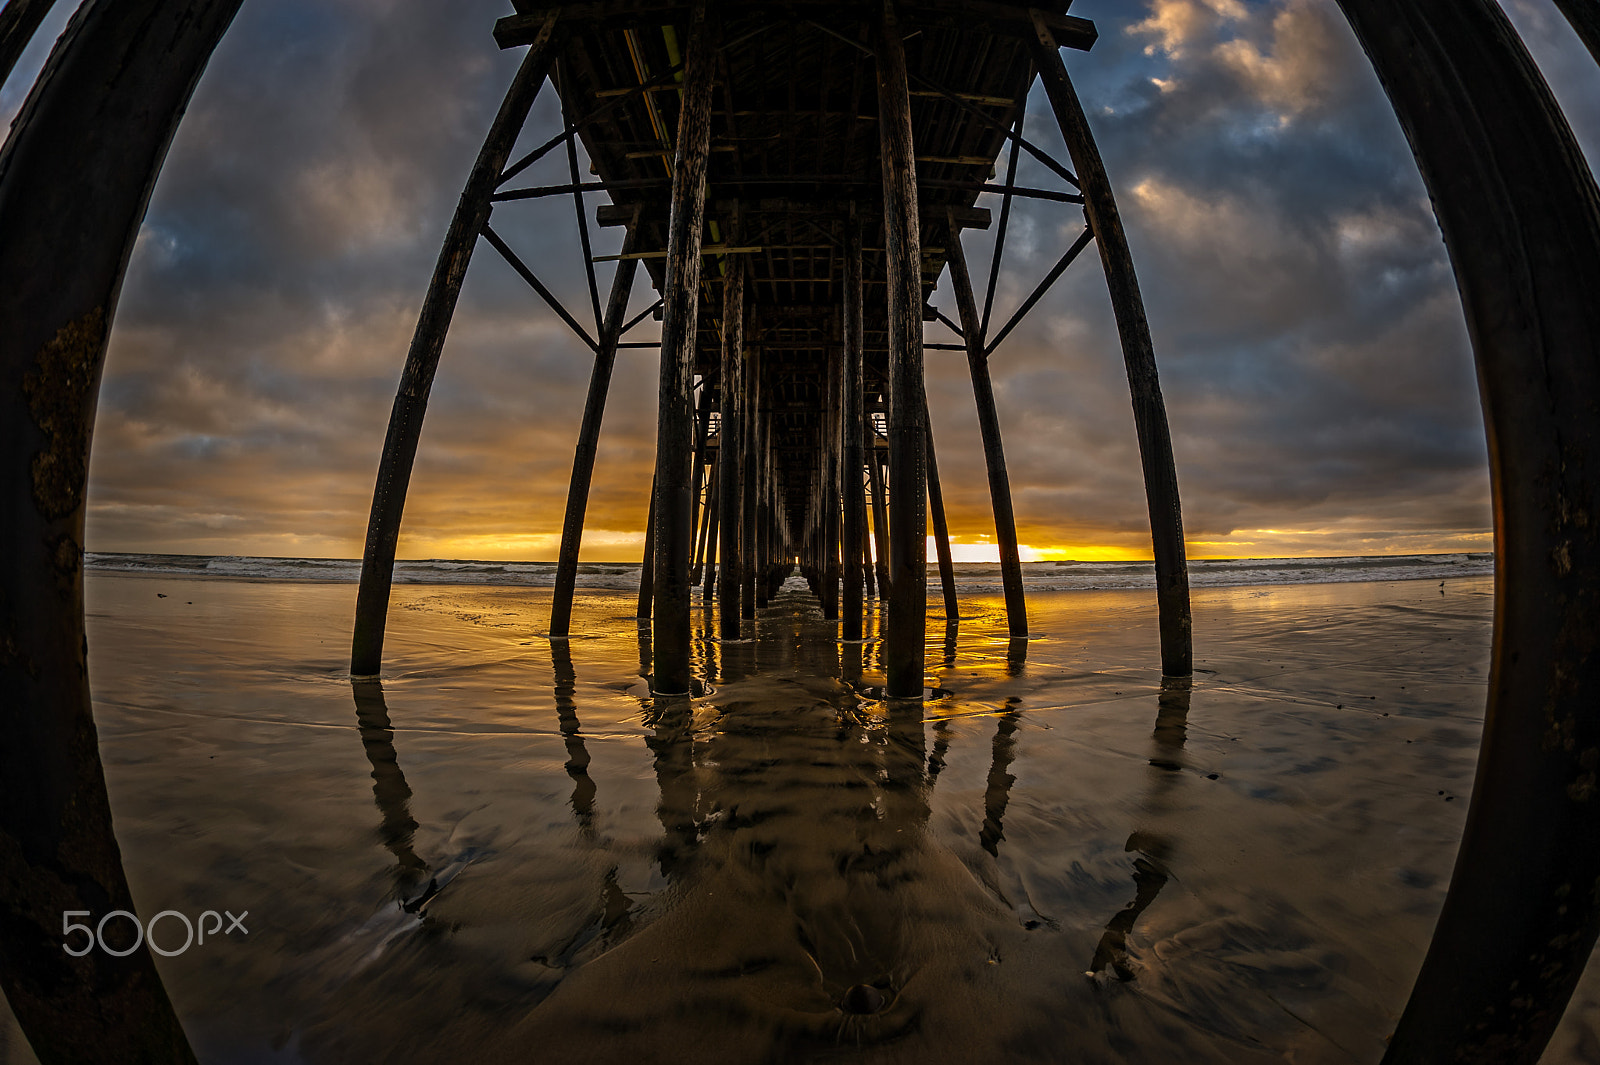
(1149, 409)
(829, 498)
(702, 426)
(851, 429)
(75, 177)
(763, 460)
(416, 380)
(647, 565)
(594, 410)
(730, 453)
(994, 454)
(941, 534)
(19, 21)
(675, 421)
(908, 526)
(749, 564)
(714, 506)
(1520, 215)
(880, 522)
(703, 545)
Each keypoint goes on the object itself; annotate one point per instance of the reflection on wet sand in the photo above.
(788, 868)
(807, 905)
(1150, 872)
(389, 788)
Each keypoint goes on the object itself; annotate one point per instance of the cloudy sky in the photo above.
(1316, 368)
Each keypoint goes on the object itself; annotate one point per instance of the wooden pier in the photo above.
(796, 180)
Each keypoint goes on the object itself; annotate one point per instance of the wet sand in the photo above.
(507, 851)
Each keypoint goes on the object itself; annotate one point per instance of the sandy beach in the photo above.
(506, 850)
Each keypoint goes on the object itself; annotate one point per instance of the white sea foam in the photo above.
(971, 577)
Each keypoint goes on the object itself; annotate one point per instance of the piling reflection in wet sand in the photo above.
(389, 788)
(1150, 868)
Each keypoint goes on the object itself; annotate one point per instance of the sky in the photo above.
(1313, 356)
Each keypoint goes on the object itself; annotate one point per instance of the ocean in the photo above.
(973, 578)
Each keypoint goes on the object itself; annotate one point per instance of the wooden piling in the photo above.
(422, 361)
(594, 409)
(647, 565)
(702, 427)
(1149, 409)
(941, 534)
(908, 527)
(747, 514)
(1520, 216)
(880, 523)
(714, 506)
(828, 498)
(675, 419)
(852, 426)
(75, 176)
(730, 454)
(994, 455)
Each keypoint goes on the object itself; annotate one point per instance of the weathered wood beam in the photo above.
(994, 453)
(852, 428)
(594, 409)
(730, 453)
(1000, 18)
(618, 214)
(679, 318)
(422, 360)
(903, 649)
(75, 177)
(1149, 409)
(1520, 215)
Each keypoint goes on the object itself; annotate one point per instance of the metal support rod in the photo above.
(908, 527)
(1066, 260)
(702, 536)
(851, 429)
(422, 361)
(594, 410)
(941, 535)
(1000, 230)
(994, 453)
(583, 217)
(1520, 215)
(1149, 409)
(730, 453)
(675, 420)
(75, 178)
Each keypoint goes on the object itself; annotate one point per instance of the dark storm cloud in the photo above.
(1313, 356)
(1311, 345)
